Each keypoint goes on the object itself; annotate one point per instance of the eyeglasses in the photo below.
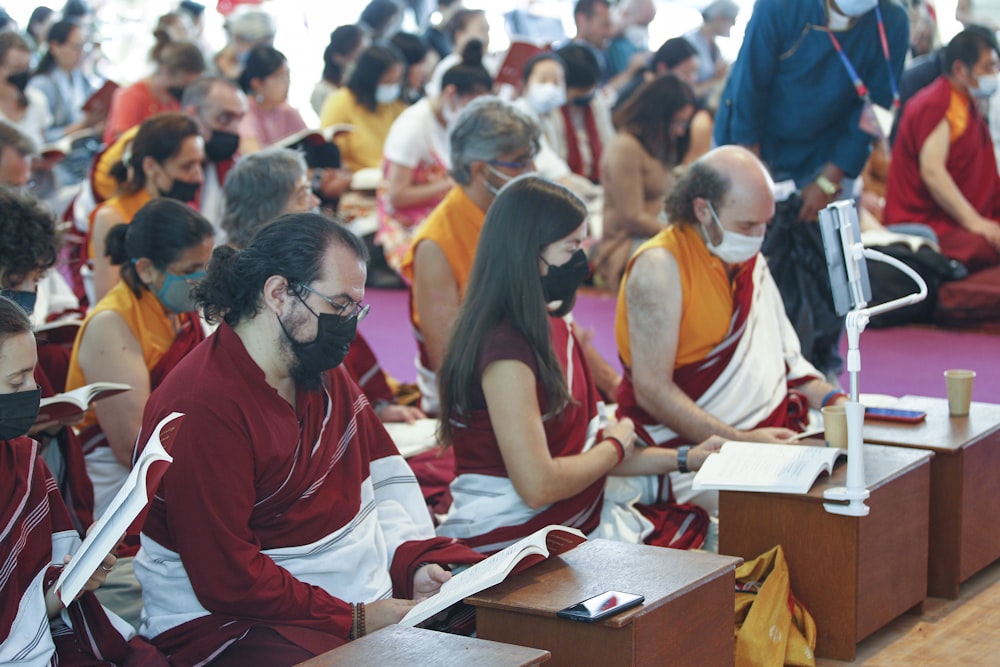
(521, 165)
(358, 311)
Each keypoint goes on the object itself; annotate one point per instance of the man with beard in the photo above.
(288, 522)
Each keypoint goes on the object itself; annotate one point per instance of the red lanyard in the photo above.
(859, 85)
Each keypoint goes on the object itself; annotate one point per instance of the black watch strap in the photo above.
(682, 458)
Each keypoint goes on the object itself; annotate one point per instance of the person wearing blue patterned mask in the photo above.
(141, 328)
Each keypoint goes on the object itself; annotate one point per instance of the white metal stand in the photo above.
(851, 498)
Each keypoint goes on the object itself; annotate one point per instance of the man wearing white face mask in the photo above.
(801, 95)
(700, 325)
(944, 170)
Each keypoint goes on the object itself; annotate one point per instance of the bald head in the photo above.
(728, 177)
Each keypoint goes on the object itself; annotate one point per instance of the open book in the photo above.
(759, 466)
(76, 402)
(549, 541)
(63, 146)
(310, 136)
(415, 438)
(130, 501)
(62, 331)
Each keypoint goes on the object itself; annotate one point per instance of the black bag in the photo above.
(890, 283)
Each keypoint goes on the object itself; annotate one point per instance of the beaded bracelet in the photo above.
(358, 628)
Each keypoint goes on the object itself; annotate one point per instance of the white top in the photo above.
(417, 138)
(36, 117)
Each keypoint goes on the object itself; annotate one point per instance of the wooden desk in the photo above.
(965, 486)
(397, 646)
(854, 574)
(687, 618)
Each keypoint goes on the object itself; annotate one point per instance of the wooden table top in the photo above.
(940, 432)
(399, 646)
(597, 566)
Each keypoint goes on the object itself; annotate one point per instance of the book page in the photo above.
(130, 501)
(751, 466)
(65, 405)
(415, 438)
(486, 573)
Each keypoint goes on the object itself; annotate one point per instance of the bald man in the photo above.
(700, 326)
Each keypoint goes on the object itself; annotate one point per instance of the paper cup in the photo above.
(959, 384)
(835, 425)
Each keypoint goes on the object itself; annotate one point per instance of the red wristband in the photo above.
(618, 445)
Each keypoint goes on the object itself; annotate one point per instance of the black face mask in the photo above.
(221, 146)
(176, 92)
(19, 80)
(328, 350)
(182, 191)
(561, 282)
(18, 412)
(24, 299)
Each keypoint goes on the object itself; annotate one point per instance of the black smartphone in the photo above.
(601, 606)
(893, 415)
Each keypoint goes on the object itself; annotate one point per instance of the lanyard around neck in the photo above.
(859, 85)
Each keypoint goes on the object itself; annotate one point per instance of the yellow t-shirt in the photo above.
(360, 148)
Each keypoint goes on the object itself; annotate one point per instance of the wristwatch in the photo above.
(682, 458)
(828, 187)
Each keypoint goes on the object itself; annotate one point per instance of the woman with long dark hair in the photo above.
(637, 170)
(526, 459)
(370, 102)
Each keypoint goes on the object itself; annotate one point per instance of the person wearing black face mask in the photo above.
(43, 533)
(275, 429)
(165, 159)
(26, 111)
(547, 455)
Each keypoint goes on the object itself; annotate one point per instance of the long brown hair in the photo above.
(648, 113)
(505, 285)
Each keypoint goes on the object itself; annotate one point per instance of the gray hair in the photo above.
(719, 8)
(198, 91)
(251, 24)
(258, 189)
(486, 129)
(19, 141)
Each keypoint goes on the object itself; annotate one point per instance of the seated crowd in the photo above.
(206, 262)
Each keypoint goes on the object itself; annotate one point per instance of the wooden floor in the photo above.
(948, 632)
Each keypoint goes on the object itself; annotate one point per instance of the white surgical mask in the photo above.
(855, 8)
(492, 189)
(545, 97)
(638, 36)
(735, 248)
(987, 86)
(387, 92)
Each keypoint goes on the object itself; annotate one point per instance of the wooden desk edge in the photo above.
(624, 618)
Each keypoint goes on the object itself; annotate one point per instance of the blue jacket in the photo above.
(789, 91)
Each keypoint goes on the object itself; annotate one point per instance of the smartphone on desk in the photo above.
(601, 606)
(894, 415)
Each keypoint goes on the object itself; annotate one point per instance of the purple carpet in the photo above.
(893, 361)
